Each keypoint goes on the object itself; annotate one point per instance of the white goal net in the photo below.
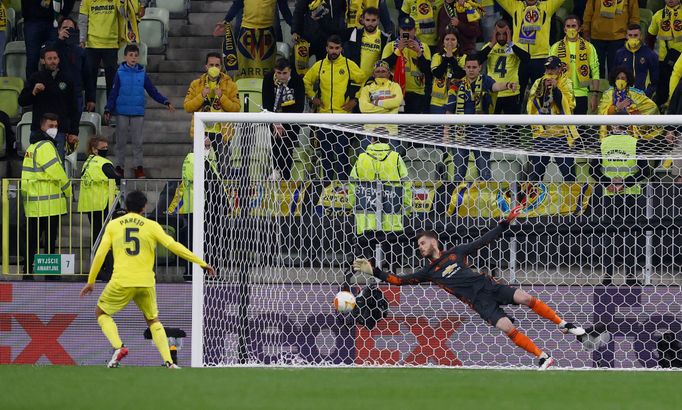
(283, 203)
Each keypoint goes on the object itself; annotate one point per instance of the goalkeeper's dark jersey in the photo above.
(451, 271)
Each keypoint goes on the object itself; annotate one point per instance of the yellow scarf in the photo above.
(609, 8)
(473, 10)
(668, 30)
(530, 24)
(127, 22)
(301, 56)
(581, 61)
(470, 91)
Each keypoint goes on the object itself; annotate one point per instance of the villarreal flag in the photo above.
(494, 199)
(127, 22)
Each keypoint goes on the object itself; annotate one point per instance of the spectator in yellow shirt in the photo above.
(425, 14)
(605, 26)
(410, 60)
(664, 29)
(582, 66)
(99, 35)
(532, 24)
(380, 95)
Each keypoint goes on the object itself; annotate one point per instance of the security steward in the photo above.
(45, 189)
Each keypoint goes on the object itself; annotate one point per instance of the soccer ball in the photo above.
(344, 302)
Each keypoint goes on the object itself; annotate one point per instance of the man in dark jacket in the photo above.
(74, 64)
(39, 29)
(283, 91)
(316, 20)
(51, 91)
(641, 59)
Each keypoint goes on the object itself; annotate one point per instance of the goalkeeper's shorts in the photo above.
(490, 297)
(115, 297)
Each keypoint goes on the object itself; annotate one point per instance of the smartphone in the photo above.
(73, 38)
(405, 36)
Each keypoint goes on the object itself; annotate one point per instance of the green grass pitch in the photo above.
(56, 387)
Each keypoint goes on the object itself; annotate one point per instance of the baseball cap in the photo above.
(407, 23)
(552, 62)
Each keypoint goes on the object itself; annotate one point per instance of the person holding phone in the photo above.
(74, 64)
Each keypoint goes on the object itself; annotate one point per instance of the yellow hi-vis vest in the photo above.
(379, 163)
(619, 159)
(44, 184)
(94, 193)
(184, 194)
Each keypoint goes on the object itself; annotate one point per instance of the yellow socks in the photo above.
(161, 341)
(110, 330)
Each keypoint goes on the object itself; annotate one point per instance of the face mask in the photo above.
(213, 72)
(103, 152)
(571, 32)
(207, 152)
(621, 84)
(52, 132)
(633, 43)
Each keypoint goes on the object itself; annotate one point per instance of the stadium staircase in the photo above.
(167, 139)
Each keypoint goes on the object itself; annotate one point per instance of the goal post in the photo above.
(281, 208)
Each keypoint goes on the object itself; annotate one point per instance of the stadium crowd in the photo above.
(439, 56)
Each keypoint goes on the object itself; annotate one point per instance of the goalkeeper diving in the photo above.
(450, 270)
(133, 239)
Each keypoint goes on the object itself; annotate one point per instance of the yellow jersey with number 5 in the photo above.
(133, 239)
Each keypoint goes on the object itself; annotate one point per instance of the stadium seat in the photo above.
(653, 5)
(424, 164)
(23, 133)
(154, 28)
(15, 59)
(250, 94)
(283, 50)
(16, 5)
(19, 30)
(11, 23)
(143, 54)
(101, 95)
(90, 125)
(10, 88)
(177, 8)
(3, 141)
(645, 16)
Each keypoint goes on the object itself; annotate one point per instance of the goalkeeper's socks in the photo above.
(543, 310)
(161, 341)
(524, 342)
(110, 330)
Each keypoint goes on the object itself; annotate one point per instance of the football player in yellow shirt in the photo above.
(134, 239)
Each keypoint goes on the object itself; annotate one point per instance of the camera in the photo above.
(405, 36)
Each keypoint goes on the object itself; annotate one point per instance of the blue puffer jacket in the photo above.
(130, 99)
(127, 93)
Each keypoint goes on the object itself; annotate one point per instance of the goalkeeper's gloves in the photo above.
(514, 213)
(362, 265)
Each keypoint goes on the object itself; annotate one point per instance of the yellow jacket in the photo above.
(599, 27)
(517, 11)
(44, 184)
(641, 104)
(228, 101)
(565, 106)
(381, 96)
(334, 80)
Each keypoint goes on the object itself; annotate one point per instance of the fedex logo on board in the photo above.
(44, 337)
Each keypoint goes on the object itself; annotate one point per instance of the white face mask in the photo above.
(52, 132)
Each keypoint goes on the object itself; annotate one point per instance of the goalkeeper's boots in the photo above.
(118, 355)
(546, 362)
(171, 365)
(573, 329)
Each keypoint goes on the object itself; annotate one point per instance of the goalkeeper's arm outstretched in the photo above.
(450, 270)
